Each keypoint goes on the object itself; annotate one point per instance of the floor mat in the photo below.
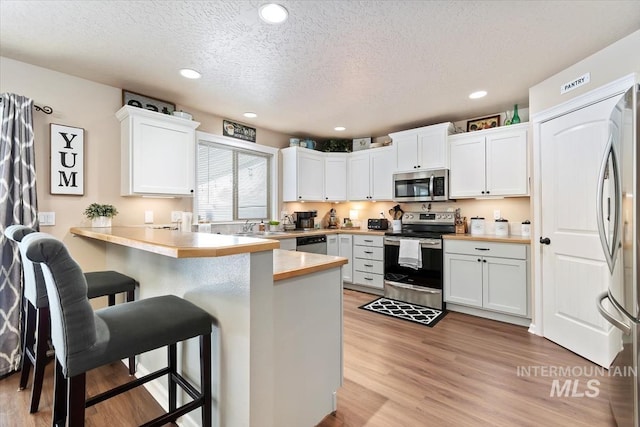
(406, 311)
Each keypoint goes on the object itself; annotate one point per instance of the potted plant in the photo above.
(100, 215)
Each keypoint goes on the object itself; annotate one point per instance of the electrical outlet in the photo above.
(47, 218)
(176, 216)
(148, 217)
(496, 214)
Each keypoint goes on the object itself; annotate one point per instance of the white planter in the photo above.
(101, 221)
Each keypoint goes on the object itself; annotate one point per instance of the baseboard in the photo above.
(360, 288)
(520, 321)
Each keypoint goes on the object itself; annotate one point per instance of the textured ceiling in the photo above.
(371, 66)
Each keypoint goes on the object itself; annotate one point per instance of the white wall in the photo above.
(92, 106)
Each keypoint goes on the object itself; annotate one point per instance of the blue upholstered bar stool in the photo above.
(37, 327)
(84, 339)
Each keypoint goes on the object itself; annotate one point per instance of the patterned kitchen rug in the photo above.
(406, 311)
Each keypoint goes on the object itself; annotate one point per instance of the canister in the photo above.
(502, 227)
(477, 226)
(526, 229)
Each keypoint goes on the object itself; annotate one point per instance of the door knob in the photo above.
(545, 241)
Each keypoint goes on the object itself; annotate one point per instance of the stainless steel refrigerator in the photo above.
(618, 220)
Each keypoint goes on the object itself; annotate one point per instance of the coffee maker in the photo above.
(304, 219)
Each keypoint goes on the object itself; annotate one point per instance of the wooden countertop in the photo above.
(489, 238)
(177, 244)
(288, 264)
(318, 232)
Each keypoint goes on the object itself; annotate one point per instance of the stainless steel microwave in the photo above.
(424, 186)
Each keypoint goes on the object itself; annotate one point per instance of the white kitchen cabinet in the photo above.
(490, 162)
(302, 175)
(332, 245)
(422, 148)
(368, 261)
(157, 153)
(487, 275)
(345, 249)
(335, 177)
(370, 174)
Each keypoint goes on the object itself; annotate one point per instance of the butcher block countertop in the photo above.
(177, 244)
(489, 238)
(288, 264)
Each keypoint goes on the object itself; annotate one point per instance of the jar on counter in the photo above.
(502, 227)
(477, 226)
(526, 229)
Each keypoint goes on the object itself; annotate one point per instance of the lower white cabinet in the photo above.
(288, 244)
(332, 245)
(487, 275)
(345, 249)
(368, 261)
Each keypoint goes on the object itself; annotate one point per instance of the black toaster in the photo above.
(377, 224)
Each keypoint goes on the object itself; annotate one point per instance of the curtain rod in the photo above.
(45, 108)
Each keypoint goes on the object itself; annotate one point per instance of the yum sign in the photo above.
(67, 160)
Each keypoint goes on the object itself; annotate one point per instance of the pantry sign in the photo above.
(67, 160)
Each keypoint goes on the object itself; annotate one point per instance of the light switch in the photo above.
(496, 214)
(148, 217)
(47, 218)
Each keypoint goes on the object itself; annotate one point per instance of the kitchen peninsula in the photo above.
(277, 352)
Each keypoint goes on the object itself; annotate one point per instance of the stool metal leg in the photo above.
(172, 362)
(132, 360)
(28, 340)
(205, 378)
(40, 357)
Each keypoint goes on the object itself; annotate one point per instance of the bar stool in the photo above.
(37, 326)
(84, 339)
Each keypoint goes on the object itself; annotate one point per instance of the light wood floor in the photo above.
(462, 372)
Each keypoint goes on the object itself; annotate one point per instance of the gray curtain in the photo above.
(18, 205)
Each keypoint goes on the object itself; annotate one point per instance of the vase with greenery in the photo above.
(100, 214)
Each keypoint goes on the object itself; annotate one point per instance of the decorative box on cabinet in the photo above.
(491, 162)
(493, 277)
(157, 153)
(422, 148)
(302, 175)
(370, 174)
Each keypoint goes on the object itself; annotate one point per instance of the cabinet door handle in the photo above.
(368, 252)
(479, 260)
(368, 265)
(368, 278)
(367, 240)
(484, 260)
(482, 249)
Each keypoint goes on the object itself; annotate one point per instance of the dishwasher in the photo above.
(313, 244)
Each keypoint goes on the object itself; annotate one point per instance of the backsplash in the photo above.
(514, 209)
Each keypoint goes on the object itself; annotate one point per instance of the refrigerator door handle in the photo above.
(626, 329)
(610, 252)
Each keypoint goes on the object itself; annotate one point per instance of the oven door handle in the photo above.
(423, 243)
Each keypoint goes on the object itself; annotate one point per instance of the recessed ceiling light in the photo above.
(478, 94)
(273, 13)
(250, 115)
(190, 74)
(340, 128)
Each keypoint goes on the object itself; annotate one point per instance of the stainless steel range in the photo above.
(413, 258)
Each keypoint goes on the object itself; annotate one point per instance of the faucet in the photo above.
(248, 226)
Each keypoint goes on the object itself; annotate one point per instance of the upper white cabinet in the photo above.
(157, 153)
(370, 174)
(490, 162)
(422, 148)
(302, 174)
(335, 177)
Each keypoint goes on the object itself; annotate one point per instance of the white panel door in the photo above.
(310, 175)
(407, 152)
(381, 173)
(359, 176)
(345, 249)
(463, 279)
(507, 166)
(574, 269)
(467, 174)
(505, 285)
(335, 177)
(432, 150)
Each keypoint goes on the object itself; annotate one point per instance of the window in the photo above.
(234, 183)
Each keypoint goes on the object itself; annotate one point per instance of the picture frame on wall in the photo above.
(238, 131)
(67, 160)
(483, 123)
(147, 102)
